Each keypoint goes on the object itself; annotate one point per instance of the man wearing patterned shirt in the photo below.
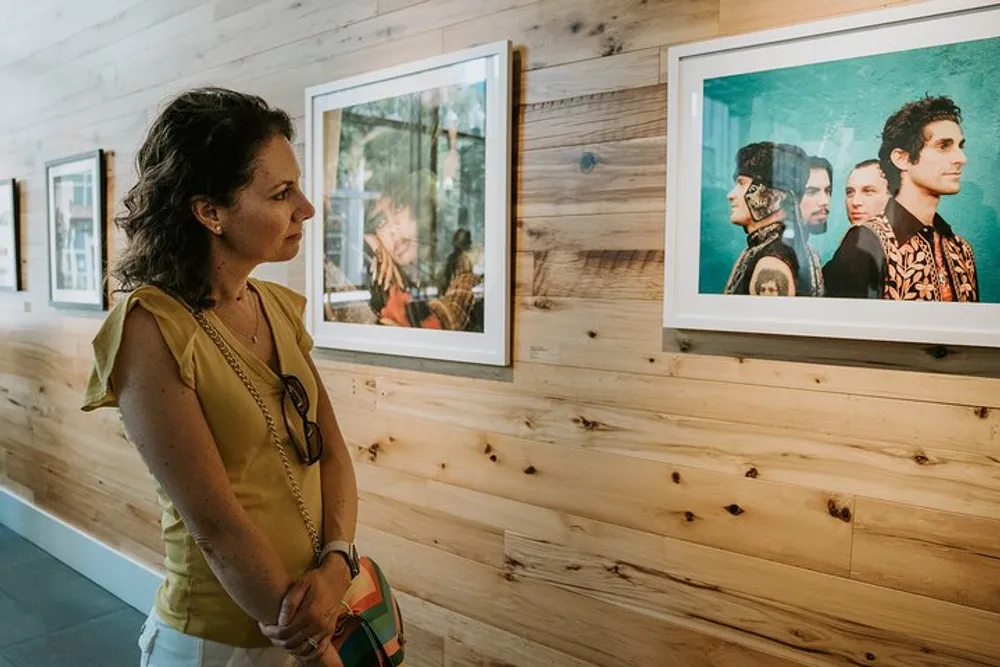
(910, 252)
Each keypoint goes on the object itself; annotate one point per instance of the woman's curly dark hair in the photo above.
(203, 144)
(905, 130)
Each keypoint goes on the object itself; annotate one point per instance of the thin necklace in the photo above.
(256, 325)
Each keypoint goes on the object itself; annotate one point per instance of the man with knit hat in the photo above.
(770, 179)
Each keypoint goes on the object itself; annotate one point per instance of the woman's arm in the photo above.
(340, 486)
(314, 602)
(164, 420)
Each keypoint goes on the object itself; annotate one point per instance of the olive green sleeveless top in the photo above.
(191, 599)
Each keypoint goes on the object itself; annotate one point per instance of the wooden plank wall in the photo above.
(603, 502)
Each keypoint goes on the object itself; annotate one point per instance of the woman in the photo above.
(247, 500)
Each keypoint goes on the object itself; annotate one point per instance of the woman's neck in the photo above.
(229, 280)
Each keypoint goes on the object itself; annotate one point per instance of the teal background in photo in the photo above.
(837, 110)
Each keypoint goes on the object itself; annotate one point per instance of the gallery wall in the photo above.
(600, 502)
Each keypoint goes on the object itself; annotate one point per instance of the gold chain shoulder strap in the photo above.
(216, 337)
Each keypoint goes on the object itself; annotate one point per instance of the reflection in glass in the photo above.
(404, 210)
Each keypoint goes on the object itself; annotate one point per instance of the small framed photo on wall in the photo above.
(409, 170)
(75, 191)
(10, 237)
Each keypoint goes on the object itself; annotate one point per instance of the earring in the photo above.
(218, 229)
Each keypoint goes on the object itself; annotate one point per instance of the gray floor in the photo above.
(51, 616)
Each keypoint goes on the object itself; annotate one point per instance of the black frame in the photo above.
(16, 225)
(100, 207)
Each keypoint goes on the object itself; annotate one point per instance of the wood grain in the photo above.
(609, 178)
(589, 630)
(810, 626)
(633, 113)
(638, 274)
(491, 644)
(468, 539)
(423, 648)
(625, 231)
(557, 331)
(965, 361)
(737, 16)
(616, 72)
(556, 33)
(730, 511)
(943, 555)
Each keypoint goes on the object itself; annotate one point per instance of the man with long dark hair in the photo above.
(909, 252)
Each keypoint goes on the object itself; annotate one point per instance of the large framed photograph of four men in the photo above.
(849, 169)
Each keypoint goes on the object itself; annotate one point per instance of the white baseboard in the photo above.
(123, 577)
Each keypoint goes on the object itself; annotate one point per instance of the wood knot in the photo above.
(735, 509)
(488, 449)
(921, 459)
(652, 360)
(689, 516)
(870, 657)
(574, 567)
(592, 334)
(576, 26)
(841, 513)
(938, 351)
(599, 30)
(509, 576)
(543, 304)
(752, 473)
(373, 450)
(512, 562)
(443, 466)
(587, 162)
(982, 413)
(493, 458)
(530, 470)
(590, 425)
(612, 48)
(676, 477)
(617, 571)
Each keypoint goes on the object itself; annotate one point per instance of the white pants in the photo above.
(162, 646)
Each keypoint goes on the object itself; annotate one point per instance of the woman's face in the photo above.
(265, 221)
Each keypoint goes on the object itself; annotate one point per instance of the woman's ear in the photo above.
(207, 214)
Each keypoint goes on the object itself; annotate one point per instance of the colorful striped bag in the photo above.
(371, 633)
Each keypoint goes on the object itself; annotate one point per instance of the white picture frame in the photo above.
(338, 104)
(10, 237)
(77, 231)
(686, 304)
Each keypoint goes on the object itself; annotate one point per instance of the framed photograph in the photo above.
(75, 190)
(409, 170)
(10, 238)
(849, 169)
